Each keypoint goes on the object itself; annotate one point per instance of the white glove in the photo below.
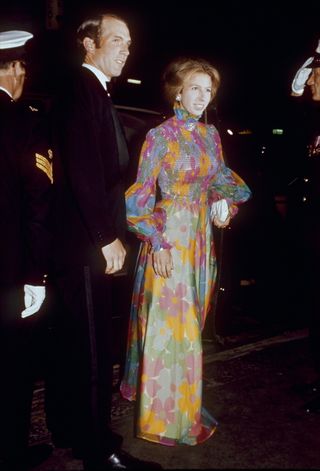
(33, 299)
(220, 210)
(301, 77)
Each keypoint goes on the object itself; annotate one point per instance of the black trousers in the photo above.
(311, 288)
(80, 374)
(22, 358)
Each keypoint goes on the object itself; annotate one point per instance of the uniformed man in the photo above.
(309, 75)
(25, 199)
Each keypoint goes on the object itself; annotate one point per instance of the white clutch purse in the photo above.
(220, 210)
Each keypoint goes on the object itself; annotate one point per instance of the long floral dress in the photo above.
(163, 371)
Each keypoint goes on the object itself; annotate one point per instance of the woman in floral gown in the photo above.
(177, 268)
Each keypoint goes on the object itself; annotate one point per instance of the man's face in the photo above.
(314, 83)
(113, 52)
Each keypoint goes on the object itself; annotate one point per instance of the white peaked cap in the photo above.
(13, 39)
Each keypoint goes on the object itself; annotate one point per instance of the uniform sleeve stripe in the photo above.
(43, 164)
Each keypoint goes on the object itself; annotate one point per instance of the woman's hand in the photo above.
(221, 224)
(162, 263)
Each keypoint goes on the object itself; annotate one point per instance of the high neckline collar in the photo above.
(190, 120)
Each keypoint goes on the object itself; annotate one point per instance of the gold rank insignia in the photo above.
(45, 165)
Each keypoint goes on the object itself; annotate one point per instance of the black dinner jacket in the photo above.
(90, 198)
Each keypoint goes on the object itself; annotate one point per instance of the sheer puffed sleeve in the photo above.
(143, 218)
(227, 184)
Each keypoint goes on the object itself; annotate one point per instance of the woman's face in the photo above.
(196, 93)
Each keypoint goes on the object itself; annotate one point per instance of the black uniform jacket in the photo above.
(25, 195)
(88, 175)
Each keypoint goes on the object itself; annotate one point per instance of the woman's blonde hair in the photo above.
(180, 69)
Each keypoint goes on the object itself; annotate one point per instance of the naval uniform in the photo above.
(311, 228)
(25, 200)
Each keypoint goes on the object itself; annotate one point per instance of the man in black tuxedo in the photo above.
(90, 229)
(25, 201)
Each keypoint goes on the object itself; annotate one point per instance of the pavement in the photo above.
(250, 382)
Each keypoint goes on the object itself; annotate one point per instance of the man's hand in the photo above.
(33, 299)
(162, 263)
(114, 255)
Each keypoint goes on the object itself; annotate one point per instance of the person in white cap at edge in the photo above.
(309, 75)
(25, 201)
(306, 71)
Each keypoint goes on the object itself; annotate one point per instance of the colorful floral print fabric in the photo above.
(182, 161)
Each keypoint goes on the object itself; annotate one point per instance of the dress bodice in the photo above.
(189, 156)
(183, 156)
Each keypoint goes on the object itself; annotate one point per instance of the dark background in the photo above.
(257, 50)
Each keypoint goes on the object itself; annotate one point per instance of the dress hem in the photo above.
(190, 441)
